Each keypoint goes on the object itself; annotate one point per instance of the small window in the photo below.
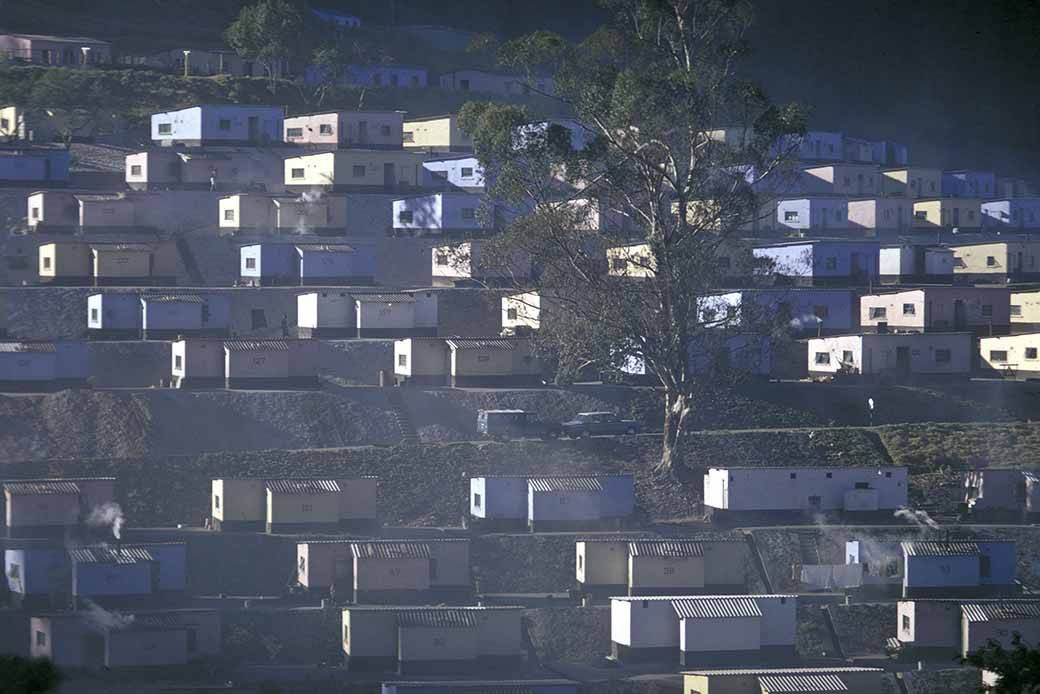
(359, 171)
(888, 475)
(466, 172)
(483, 357)
(830, 475)
(581, 562)
(862, 485)
(41, 638)
(476, 501)
(405, 216)
(998, 355)
(464, 85)
(1030, 352)
(165, 128)
(511, 313)
(987, 310)
(294, 132)
(325, 128)
(921, 215)
(346, 633)
(250, 263)
(790, 215)
(216, 501)
(442, 258)
(225, 124)
(408, 136)
(823, 358)
(469, 213)
(909, 310)
(229, 215)
(1016, 310)
(384, 130)
(991, 261)
(15, 571)
(878, 312)
(47, 262)
(794, 475)
(306, 508)
(297, 173)
(846, 356)
(93, 314)
(178, 362)
(402, 360)
(36, 213)
(942, 356)
(985, 567)
(135, 169)
(906, 622)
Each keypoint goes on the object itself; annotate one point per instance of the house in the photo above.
(942, 213)
(996, 261)
(56, 51)
(393, 76)
(505, 501)
(700, 630)
(495, 83)
(325, 314)
(522, 313)
(879, 563)
(364, 129)
(436, 134)
(880, 213)
(1025, 311)
(464, 263)
(218, 124)
(466, 362)
(263, 364)
(28, 366)
(357, 170)
(984, 622)
(606, 566)
(463, 173)
(808, 680)
(36, 575)
(1002, 494)
(856, 180)
(53, 507)
(819, 262)
(1011, 356)
(912, 262)
(969, 184)
(226, 169)
(912, 182)
(537, 133)
(122, 264)
(43, 125)
(307, 213)
(854, 492)
(888, 153)
(341, 20)
(201, 62)
(432, 640)
(985, 310)
(295, 504)
(22, 165)
(1008, 187)
(814, 145)
(525, 686)
(959, 567)
(113, 316)
(441, 212)
(334, 264)
(800, 310)
(197, 363)
(898, 355)
(269, 264)
(76, 641)
(125, 574)
(165, 316)
(1011, 213)
(857, 150)
(933, 629)
(387, 572)
(395, 315)
(633, 260)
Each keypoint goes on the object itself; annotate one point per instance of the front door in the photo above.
(362, 132)
(960, 319)
(956, 216)
(903, 360)
(253, 128)
(388, 176)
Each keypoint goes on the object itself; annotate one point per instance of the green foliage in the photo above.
(1018, 667)
(27, 675)
(267, 32)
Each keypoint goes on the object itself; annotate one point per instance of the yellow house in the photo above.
(238, 504)
(436, 134)
(525, 312)
(633, 260)
(65, 262)
(817, 680)
(912, 182)
(996, 261)
(1025, 310)
(965, 213)
(356, 169)
(1014, 356)
(121, 263)
(12, 122)
(302, 504)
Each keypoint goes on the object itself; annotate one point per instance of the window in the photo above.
(998, 355)
(906, 622)
(135, 169)
(846, 356)
(942, 356)
(216, 501)
(790, 215)
(990, 261)
(476, 501)
(325, 128)
(93, 314)
(405, 216)
(669, 570)
(830, 475)
(1016, 310)
(847, 181)
(250, 263)
(987, 310)
(225, 124)
(821, 312)
(306, 508)
(888, 475)
(984, 566)
(408, 136)
(4, 124)
(384, 130)
(178, 362)
(297, 173)
(921, 214)
(878, 312)
(1030, 352)
(581, 562)
(229, 215)
(36, 213)
(15, 572)
(483, 357)
(442, 259)
(909, 310)
(469, 213)
(402, 360)
(346, 633)
(165, 128)
(831, 264)
(823, 358)
(466, 172)
(294, 132)
(47, 263)
(511, 313)
(41, 638)
(359, 171)
(794, 475)
(193, 641)
(464, 85)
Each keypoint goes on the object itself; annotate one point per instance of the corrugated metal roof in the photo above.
(165, 621)
(174, 299)
(481, 343)
(930, 548)
(790, 684)
(665, 548)
(442, 618)
(35, 347)
(743, 672)
(716, 607)
(302, 486)
(565, 484)
(324, 247)
(42, 487)
(142, 247)
(385, 298)
(390, 550)
(110, 555)
(256, 346)
(1000, 611)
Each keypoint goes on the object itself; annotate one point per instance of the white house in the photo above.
(295, 504)
(325, 314)
(462, 173)
(810, 680)
(1011, 356)
(441, 212)
(854, 491)
(701, 630)
(895, 354)
(224, 124)
(848, 179)
(916, 263)
(396, 315)
(464, 263)
(466, 362)
(932, 629)
(551, 503)
(959, 568)
(880, 213)
(817, 213)
(365, 129)
(982, 309)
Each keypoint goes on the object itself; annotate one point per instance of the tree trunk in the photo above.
(676, 407)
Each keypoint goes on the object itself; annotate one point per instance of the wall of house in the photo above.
(644, 623)
(776, 489)
(199, 358)
(501, 497)
(969, 184)
(405, 573)
(452, 560)
(302, 508)
(369, 633)
(422, 358)
(873, 354)
(721, 634)
(39, 570)
(680, 573)
(563, 506)
(499, 632)
(436, 644)
(268, 123)
(106, 213)
(256, 363)
(113, 312)
(724, 563)
(974, 635)
(320, 563)
(240, 500)
(171, 315)
(601, 562)
(1019, 352)
(102, 580)
(436, 134)
(331, 264)
(1014, 213)
(42, 510)
(941, 572)
(465, 173)
(28, 366)
(115, 263)
(482, 362)
(359, 498)
(54, 208)
(325, 309)
(146, 647)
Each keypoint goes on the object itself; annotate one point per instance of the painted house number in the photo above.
(438, 641)
(395, 572)
(259, 360)
(669, 570)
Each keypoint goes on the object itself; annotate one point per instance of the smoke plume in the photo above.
(102, 619)
(919, 518)
(108, 515)
(309, 199)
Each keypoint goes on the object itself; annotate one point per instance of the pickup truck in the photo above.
(586, 424)
(514, 424)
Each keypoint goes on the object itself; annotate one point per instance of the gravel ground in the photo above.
(813, 639)
(863, 629)
(953, 681)
(569, 634)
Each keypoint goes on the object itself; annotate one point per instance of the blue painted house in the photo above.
(36, 575)
(1011, 213)
(482, 687)
(114, 315)
(969, 184)
(113, 574)
(27, 366)
(565, 502)
(815, 145)
(334, 264)
(39, 166)
(888, 153)
(266, 264)
(805, 311)
(165, 316)
(819, 262)
(959, 568)
(813, 212)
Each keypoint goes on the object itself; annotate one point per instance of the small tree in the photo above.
(1017, 668)
(644, 160)
(27, 675)
(267, 32)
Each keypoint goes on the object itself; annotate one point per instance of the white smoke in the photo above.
(108, 515)
(102, 619)
(919, 518)
(308, 199)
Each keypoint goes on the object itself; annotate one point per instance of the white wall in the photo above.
(774, 489)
